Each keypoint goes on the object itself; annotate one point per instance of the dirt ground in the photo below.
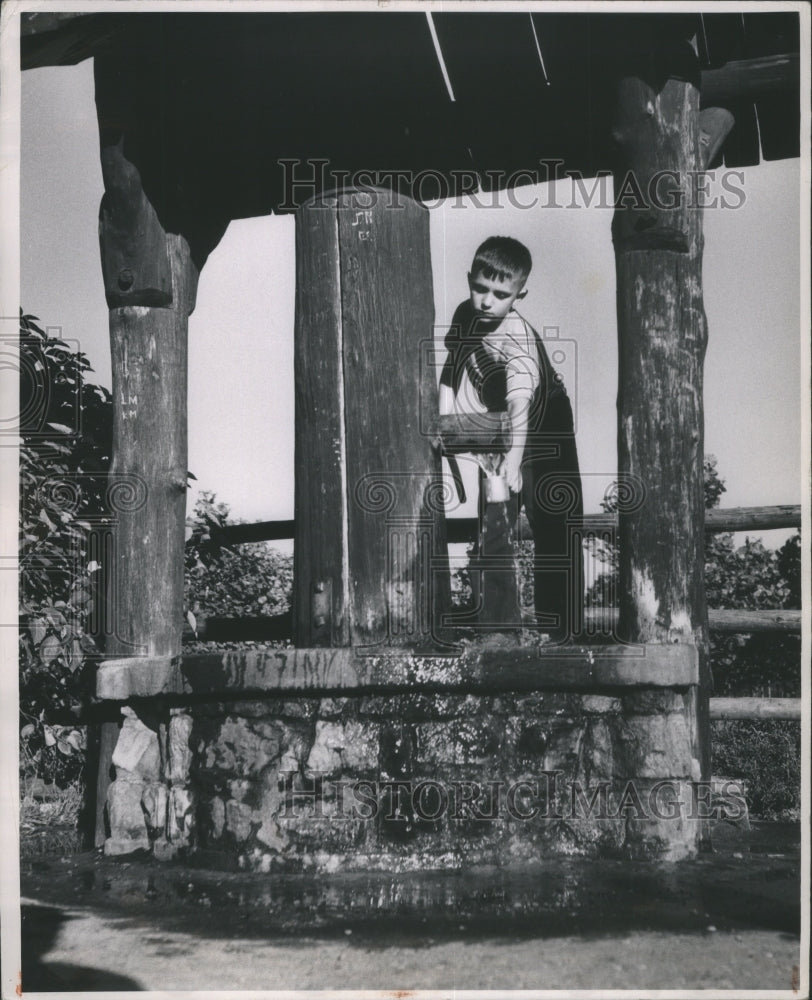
(729, 920)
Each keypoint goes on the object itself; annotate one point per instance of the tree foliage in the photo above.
(767, 753)
(751, 577)
(65, 440)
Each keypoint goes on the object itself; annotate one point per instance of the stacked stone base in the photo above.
(408, 782)
(150, 803)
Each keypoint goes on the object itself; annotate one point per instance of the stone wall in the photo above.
(409, 781)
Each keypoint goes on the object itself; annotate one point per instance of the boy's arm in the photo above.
(518, 407)
(523, 377)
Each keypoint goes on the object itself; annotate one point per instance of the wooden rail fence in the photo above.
(273, 628)
(460, 530)
(279, 628)
(755, 708)
(464, 529)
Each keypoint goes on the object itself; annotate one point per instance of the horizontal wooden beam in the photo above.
(245, 534)
(262, 628)
(753, 518)
(717, 521)
(464, 529)
(66, 38)
(755, 708)
(722, 620)
(270, 628)
(317, 672)
(755, 621)
(750, 79)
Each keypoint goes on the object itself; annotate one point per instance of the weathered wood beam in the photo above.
(750, 79)
(755, 621)
(755, 708)
(662, 337)
(243, 534)
(368, 511)
(494, 571)
(721, 620)
(107, 736)
(753, 518)
(34, 24)
(134, 248)
(464, 529)
(320, 558)
(716, 521)
(268, 628)
(320, 671)
(149, 352)
(262, 628)
(48, 38)
(150, 278)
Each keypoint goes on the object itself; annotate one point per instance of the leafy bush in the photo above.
(248, 580)
(64, 457)
(767, 753)
(753, 577)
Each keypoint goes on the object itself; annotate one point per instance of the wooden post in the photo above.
(662, 335)
(149, 352)
(106, 737)
(150, 283)
(150, 278)
(320, 569)
(369, 523)
(494, 568)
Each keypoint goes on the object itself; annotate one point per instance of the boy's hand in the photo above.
(512, 471)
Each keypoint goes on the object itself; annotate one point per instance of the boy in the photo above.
(508, 368)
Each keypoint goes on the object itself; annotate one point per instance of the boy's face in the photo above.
(493, 298)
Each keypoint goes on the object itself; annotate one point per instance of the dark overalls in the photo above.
(551, 479)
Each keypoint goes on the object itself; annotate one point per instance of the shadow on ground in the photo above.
(40, 928)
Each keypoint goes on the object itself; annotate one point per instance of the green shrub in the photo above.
(767, 753)
(65, 430)
(753, 577)
(248, 580)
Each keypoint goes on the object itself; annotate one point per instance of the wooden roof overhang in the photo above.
(212, 105)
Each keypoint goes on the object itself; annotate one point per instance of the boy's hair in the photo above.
(502, 258)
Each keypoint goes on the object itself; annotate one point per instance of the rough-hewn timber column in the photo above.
(369, 520)
(662, 336)
(150, 279)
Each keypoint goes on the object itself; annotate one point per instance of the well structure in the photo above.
(383, 739)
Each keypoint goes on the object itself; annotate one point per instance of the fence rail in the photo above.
(755, 708)
(464, 529)
(719, 620)
(271, 628)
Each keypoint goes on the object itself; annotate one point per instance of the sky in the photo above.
(241, 332)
